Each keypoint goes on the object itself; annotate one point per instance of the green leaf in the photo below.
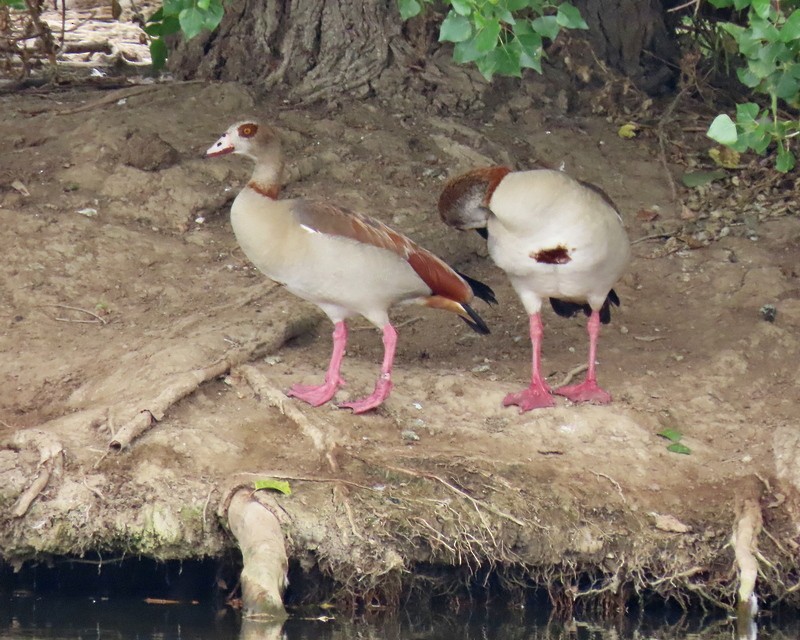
(466, 51)
(409, 8)
(214, 15)
(723, 130)
(158, 53)
(694, 179)
(747, 111)
(673, 435)
(786, 159)
(455, 28)
(174, 7)
(462, 7)
(677, 447)
(791, 28)
(153, 29)
(761, 8)
(170, 25)
(507, 59)
(19, 5)
(274, 485)
(158, 16)
(486, 38)
(569, 17)
(546, 26)
(192, 22)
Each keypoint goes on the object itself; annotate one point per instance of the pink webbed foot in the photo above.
(537, 396)
(586, 391)
(315, 395)
(382, 390)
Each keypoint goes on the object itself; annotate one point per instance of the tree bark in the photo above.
(316, 48)
(633, 37)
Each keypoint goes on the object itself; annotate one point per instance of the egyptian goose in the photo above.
(555, 237)
(344, 262)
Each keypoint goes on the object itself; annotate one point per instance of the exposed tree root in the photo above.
(51, 463)
(745, 542)
(186, 383)
(179, 388)
(264, 574)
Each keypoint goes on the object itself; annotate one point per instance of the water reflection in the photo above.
(86, 618)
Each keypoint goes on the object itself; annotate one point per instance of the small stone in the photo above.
(768, 312)
(409, 435)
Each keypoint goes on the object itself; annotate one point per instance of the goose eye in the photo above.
(248, 130)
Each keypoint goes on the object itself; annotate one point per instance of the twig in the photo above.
(662, 141)
(612, 481)
(571, 374)
(654, 236)
(96, 317)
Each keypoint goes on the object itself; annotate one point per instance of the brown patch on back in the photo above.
(556, 255)
(270, 191)
(332, 220)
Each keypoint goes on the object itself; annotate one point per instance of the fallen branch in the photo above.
(51, 462)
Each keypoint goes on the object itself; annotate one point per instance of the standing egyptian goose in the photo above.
(345, 263)
(555, 237)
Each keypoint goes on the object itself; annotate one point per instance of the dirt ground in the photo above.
(123, 291)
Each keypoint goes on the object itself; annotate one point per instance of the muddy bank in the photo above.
(143, 363)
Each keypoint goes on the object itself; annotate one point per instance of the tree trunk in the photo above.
(323, 48)
(633, 37)
(317, 48)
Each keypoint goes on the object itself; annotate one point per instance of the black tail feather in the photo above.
(479, 289)
(570, 309)
(483, 232)
(476, 323)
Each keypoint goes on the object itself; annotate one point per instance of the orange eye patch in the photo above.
(248, 130)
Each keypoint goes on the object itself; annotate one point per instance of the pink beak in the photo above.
(221, 147)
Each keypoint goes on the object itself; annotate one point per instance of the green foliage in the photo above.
(769, 45)
(273, 485)
(500, 36)
(19, 5)
(675, 437)
(187, 16)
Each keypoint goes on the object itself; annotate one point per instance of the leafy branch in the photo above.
(769, 44)
(187, 16)
(500, 36)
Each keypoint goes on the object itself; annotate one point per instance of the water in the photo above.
(58, 618)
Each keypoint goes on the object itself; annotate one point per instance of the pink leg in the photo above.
(317, 395)
(588, 391)
(537, 395)
(384, 384)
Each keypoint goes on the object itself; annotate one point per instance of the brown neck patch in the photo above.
(556, 255)
(492, 176)
(270, 191)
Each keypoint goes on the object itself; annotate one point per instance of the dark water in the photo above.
(26, 618)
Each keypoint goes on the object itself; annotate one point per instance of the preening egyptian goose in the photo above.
(345, 263)
(555, 237)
